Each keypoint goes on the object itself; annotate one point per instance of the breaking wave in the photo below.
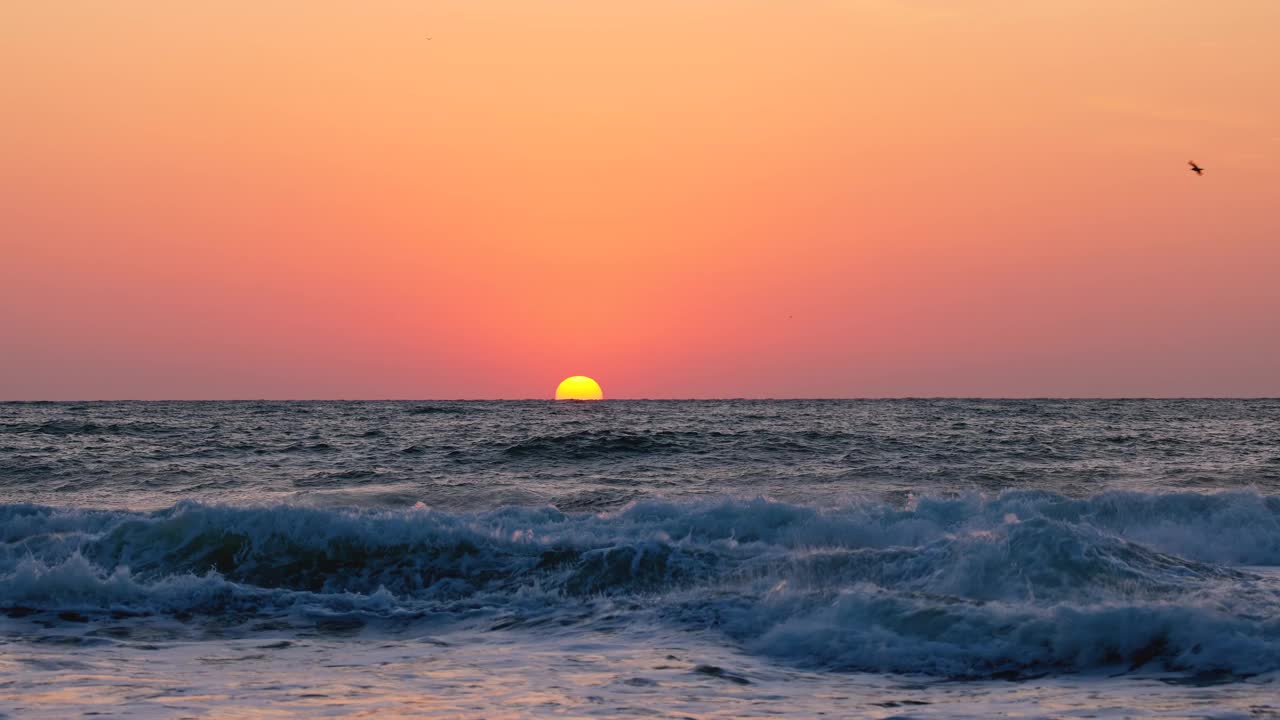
(972, 586)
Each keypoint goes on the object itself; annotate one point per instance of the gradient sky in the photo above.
(679, 198)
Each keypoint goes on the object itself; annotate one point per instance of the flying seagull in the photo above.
(1195, 168)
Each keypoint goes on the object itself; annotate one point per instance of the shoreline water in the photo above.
(1081, 559)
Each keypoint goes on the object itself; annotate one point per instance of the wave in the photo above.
(971, 586)
(79, 427)
(588, 444)
(592, 444)
(435, 410)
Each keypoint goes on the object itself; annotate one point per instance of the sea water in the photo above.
(912, 558)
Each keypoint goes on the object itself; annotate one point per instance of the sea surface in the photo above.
(726, 559)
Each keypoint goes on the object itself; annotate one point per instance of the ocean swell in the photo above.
(970, 586)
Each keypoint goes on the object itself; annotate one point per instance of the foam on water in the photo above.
(974, 586)
(1115, 558)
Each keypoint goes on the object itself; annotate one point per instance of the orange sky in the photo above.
(680, 198)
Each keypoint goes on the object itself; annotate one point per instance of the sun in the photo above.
(579, 387)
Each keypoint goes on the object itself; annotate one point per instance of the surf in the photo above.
(968, 586)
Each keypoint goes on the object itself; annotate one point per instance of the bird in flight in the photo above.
(1195, 168)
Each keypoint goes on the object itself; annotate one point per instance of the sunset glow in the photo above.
(300, 199)
(895, 299)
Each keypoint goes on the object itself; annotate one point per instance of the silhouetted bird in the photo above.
(1195, 168)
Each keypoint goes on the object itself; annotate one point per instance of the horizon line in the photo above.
(863, 398)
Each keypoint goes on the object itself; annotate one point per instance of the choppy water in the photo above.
(682, 559)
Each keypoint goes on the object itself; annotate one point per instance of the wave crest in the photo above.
(966, 586)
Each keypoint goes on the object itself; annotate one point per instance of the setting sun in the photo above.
(579, 387)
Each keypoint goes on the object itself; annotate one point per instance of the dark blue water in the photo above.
(941, 539)
(595, 456)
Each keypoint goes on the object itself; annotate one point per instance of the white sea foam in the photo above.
(946, 586)
(196, 559)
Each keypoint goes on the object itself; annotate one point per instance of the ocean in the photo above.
(673, 559)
